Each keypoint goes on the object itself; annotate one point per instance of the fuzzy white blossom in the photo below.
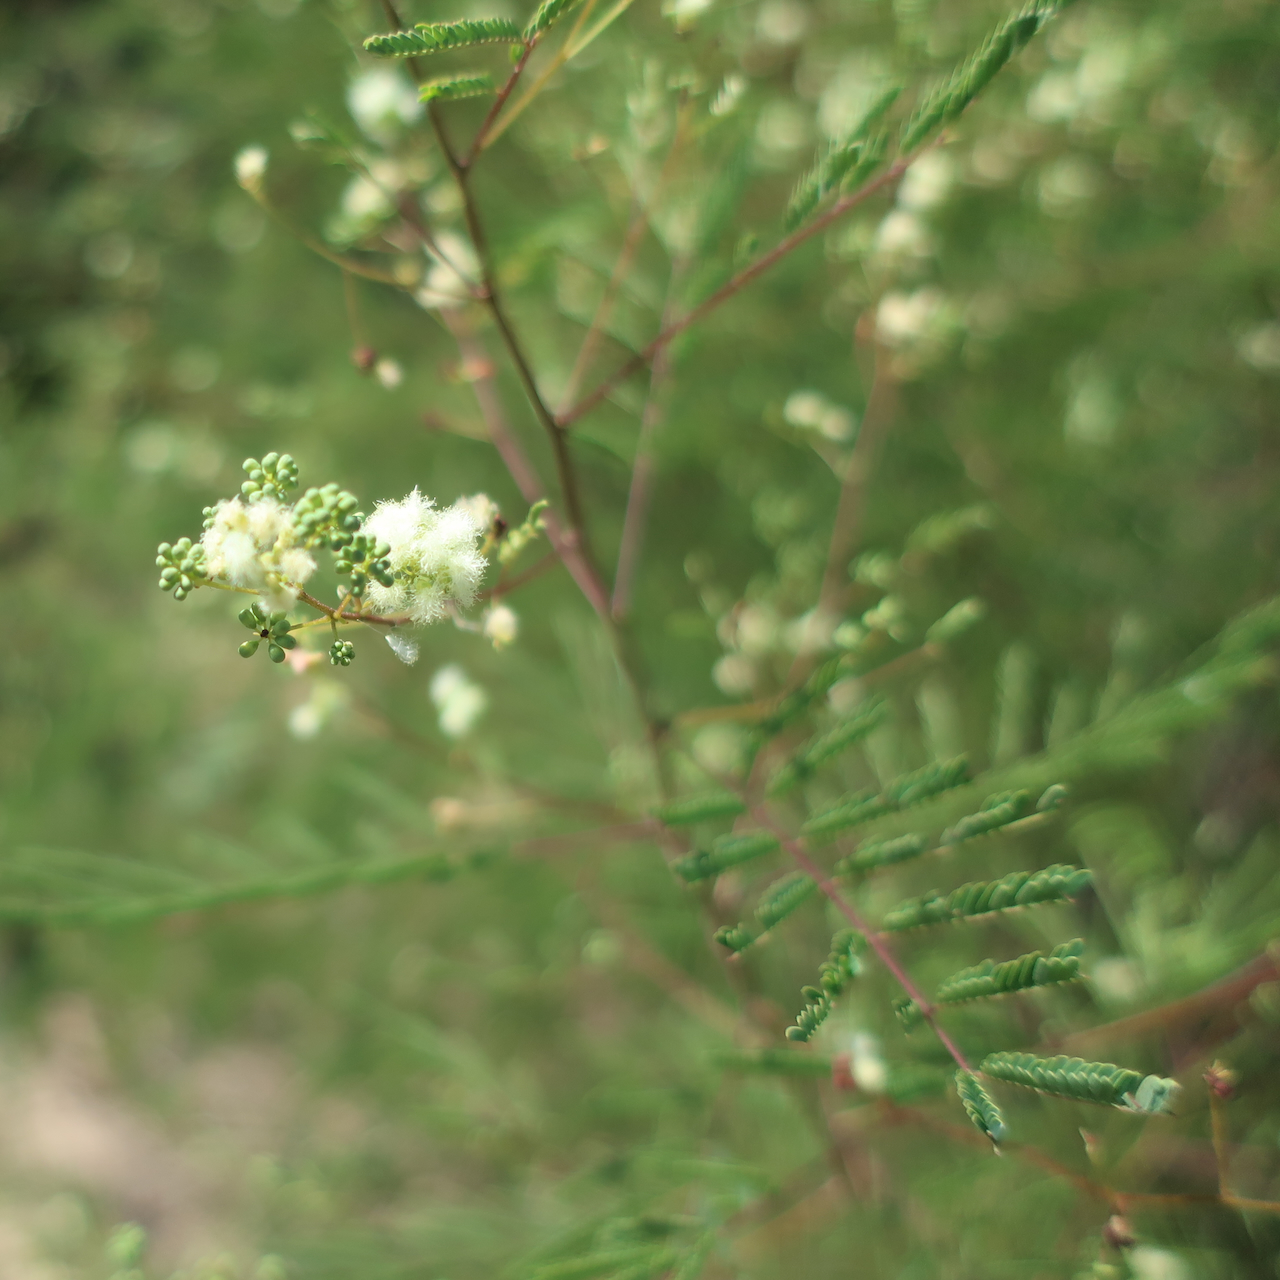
(251, 167)
(433, 555)
(254, 545)
(459, 700)
(483, 509)
(501, 626)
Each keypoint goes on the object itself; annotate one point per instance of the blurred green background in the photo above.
(507, 1055)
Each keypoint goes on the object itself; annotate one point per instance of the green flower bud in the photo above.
(249, 648)
(286, 642)
(275, 652)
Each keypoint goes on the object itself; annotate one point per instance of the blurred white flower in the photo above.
(251, 167)
(501, 626)
(447, 283)
(734, 674)
(812, 411)
(905, 319)
(902, 234)
(381, 100)
(866, 1063)
(433, 556)
(389, 373)
(458, 699)
(1260, 347)
(483, 509)
(1149, 1263)
(254, 545)
(308, 718)
(730, 94)
(927, 182)
(782, 22)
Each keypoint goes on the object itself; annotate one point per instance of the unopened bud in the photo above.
(1118, 1234)
(1222, 1081)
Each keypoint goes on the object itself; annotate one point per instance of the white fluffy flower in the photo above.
(254, 545)
(433, 556)
(251, 166)
(501, 626)
(459, 700)
(483, 509)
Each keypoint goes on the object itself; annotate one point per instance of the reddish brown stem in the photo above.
(642, 469)
(498, 103)
(875, 940)
(737, 284)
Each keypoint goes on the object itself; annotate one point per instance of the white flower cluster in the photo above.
(434, 556)
(254, 545)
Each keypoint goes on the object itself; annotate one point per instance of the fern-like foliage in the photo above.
(999, 811)
(725, 852)
(980, 1107)
(844, 161)
(777, 902)
(783, 897)
(990, 979)
(451, 88)
(1102, 1082)
(700, 808)
(636, 1263)
(69, 887)
(827, 746)
(904, 792)
(548, 12)
(734, 937)
(836, 972)
(968, 80)
(882, 853)
(1035, 969)
(847, 163)
(1058, 883)
(437, 37)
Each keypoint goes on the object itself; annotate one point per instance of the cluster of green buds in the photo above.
(341, 653)
(181, 566)
(363, 559)
(327, 517)
(273, 628)
(273, 477)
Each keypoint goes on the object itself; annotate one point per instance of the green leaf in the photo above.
(783, 897)
(850, 812)
(725, 852)
(980, 1106)
(910, 789)
(947, 101)
(1035, 969)
(700, 808)
(451, 88)
(436, 37)
(998, 811)
(829, 745)
(839, 968)
(882, 853)
(923, 784)
(846, 163)
(549, 11)
(1101, 1082)
(1058, 883)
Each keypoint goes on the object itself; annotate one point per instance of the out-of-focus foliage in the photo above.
(378, 970)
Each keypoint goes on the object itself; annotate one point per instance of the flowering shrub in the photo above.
(861, 788)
